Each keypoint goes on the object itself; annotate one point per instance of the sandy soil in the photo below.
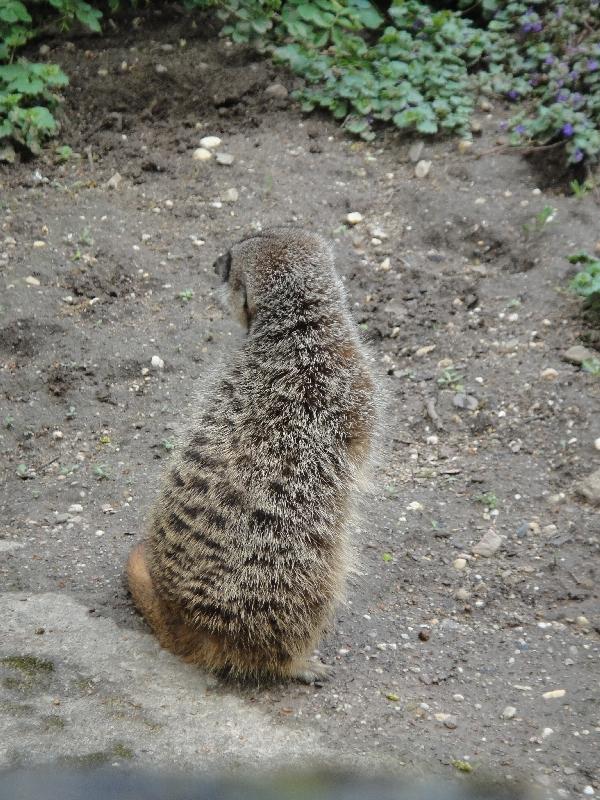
(440, 655)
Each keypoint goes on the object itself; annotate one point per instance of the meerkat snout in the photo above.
(249, 541)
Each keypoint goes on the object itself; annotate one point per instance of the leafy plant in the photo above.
(540, 221)
(452, 379)
(586, 282)
(186, 295)
(488, 499)
(27, 90)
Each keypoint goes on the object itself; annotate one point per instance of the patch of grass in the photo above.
(186, 295)
(30, 665)
(462, 766)
(540, 221)
(591, 365)
(121, 750)
(488, 499)
(101, 472)
(450, 378)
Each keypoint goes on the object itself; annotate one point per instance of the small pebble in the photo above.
(549, 374)
(509, 712)
(582, 621)
(459, 563)
(597, 443)
(230, 196)
(201, 154)
(588, 790)
(160, 69)
(458, 698)
(488, 544)
(115, 181)
(415, 151)
(210, 142)
(276, 90)
(422, 169)
(76, 508)
(156, 362)
(57, 434)
(547, 732)
(224, 158)
(32, 281)
(465, 145)
(554, 694)
(354, 217)
(462, 593)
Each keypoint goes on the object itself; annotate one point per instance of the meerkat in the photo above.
(249, 548)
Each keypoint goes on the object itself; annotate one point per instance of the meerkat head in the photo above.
(275, 264)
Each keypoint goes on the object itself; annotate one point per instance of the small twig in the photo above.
(88, 151)
(44, 466)
(432, 413)
(518, 148)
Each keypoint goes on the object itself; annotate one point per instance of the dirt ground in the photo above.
(440, 655)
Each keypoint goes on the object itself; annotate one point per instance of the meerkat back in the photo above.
(249, 538)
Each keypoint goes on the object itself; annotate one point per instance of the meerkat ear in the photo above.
(222, 266)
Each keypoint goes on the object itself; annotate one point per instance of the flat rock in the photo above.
(590, 488)
(488, 544)
(578, 354)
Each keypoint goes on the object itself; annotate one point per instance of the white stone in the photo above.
(554, 694)
(354, 217)
(509, 712)
(549, 374)
(226, 159)
(459, 563)
(201, 154)
(32, 281)
(422, 169)
(115, 181)
(210, 142)
(156, 362)
(230, 196)
(76, 508)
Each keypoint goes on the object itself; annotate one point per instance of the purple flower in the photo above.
(577, 156)
(592, 65)
(561, 97)
(513, 94)
(568, 129)
(576, 99)
(520, 129)
(549, 60)
(573, 75)
(503, 125)
(537, 27)
(527, 27)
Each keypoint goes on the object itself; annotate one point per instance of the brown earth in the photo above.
(456, 298)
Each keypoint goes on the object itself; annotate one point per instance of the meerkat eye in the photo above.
(222, 266)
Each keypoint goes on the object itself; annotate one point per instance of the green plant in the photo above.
(540, 221)
(580, 189)
(168, 444)
(186, 295)
(101, 472)
(488, 499)
(591, 365)
(586, 283)
(450, 378)
(27, 90)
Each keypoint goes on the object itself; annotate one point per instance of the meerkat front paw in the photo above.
(309, 671)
